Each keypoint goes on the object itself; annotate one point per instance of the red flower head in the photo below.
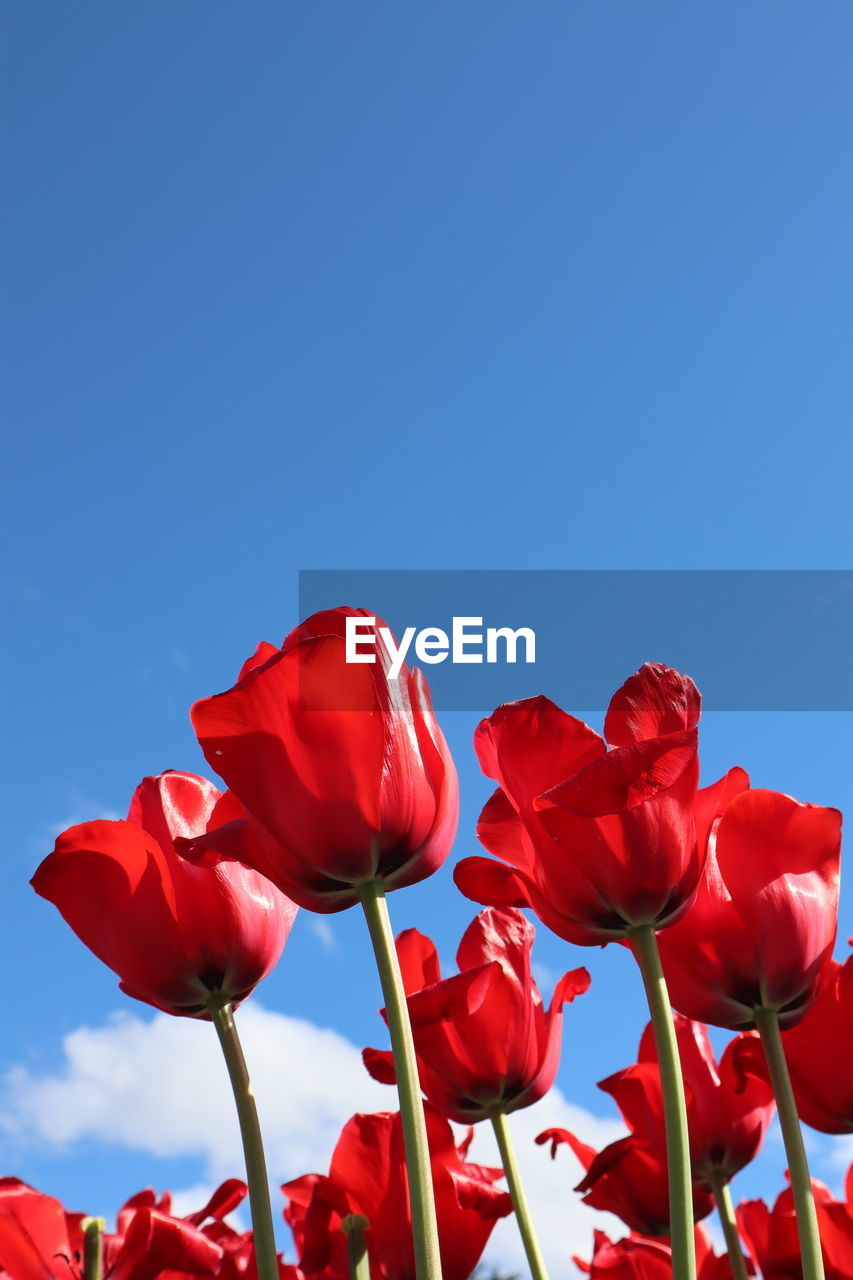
(238, 1247)
(483, 1038)
(640, 1257)
(595, 841)
(343, 771)
(628, 1178)
(819, 1051)
(174, 933)
(728, 1106)
(40, 1241)
(367, 1177)
(771, 1235)
(762, 928)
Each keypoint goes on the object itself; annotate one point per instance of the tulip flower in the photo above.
(238, 1250)
(628, 1178)
(367, 1179)
(729, 1108)
(121, 884)
(754, 947)
(762, 928)
(484, 1042)
(37, 1237)
(343, 773)
(602, 845)
(771, 1234)
(640, 1257)
(729, 1105)
(348, 790)
(597, 842)
(819, 1051)
(192, 941)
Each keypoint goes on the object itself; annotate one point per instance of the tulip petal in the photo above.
(418, 960)
(33, 1232)
(626, 777)
(654, 701)
(529, 746)
(483, 880)
(380, 1065)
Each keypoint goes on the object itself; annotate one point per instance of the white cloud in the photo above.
(81, 808)
(160, 1088)
(324, 932)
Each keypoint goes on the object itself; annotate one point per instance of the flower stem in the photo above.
(725, 1209)
(421, 1197)
(222, 1016)
(535, 1260)
(354, 1226)
(645, 947)
(767, 1022)
(93, 1248)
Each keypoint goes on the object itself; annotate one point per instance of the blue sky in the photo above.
(462, 285)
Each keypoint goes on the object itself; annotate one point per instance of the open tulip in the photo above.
(729, 1105)
(485, 1041)
(628, 1178)
(173, 932)
(343, 772)
(602, 845)
(640, 1257)
(771, 1234)
(39, 1240)
(485, 1044)
(754, 947)
(367, 1178)
(819, 1051)
(728, 1110)
(597, 842)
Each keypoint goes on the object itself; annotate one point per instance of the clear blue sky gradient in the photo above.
(380, 285)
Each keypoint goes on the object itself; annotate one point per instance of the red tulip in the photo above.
(483, 1038)
(174, 933)
(762, 928)
(819, 1051)
(635, 1257)
(238, 1247)
(628, 1178)
(38, 1240)
(367, 1177)
(729, 1106)
(343, 771)
(597, 842)
(640, 1257)
(771, 1235)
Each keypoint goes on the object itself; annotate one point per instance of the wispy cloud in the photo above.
(159, 1088)
(324, 932)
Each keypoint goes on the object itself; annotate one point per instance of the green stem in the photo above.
(222, 1016)
(725, 1209)
(354, 1226)
(767, 1022)
(422, 1201)
(93, 1248)
(645, 947)
(535, 1260)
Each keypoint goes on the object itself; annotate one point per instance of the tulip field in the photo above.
(336, 790)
